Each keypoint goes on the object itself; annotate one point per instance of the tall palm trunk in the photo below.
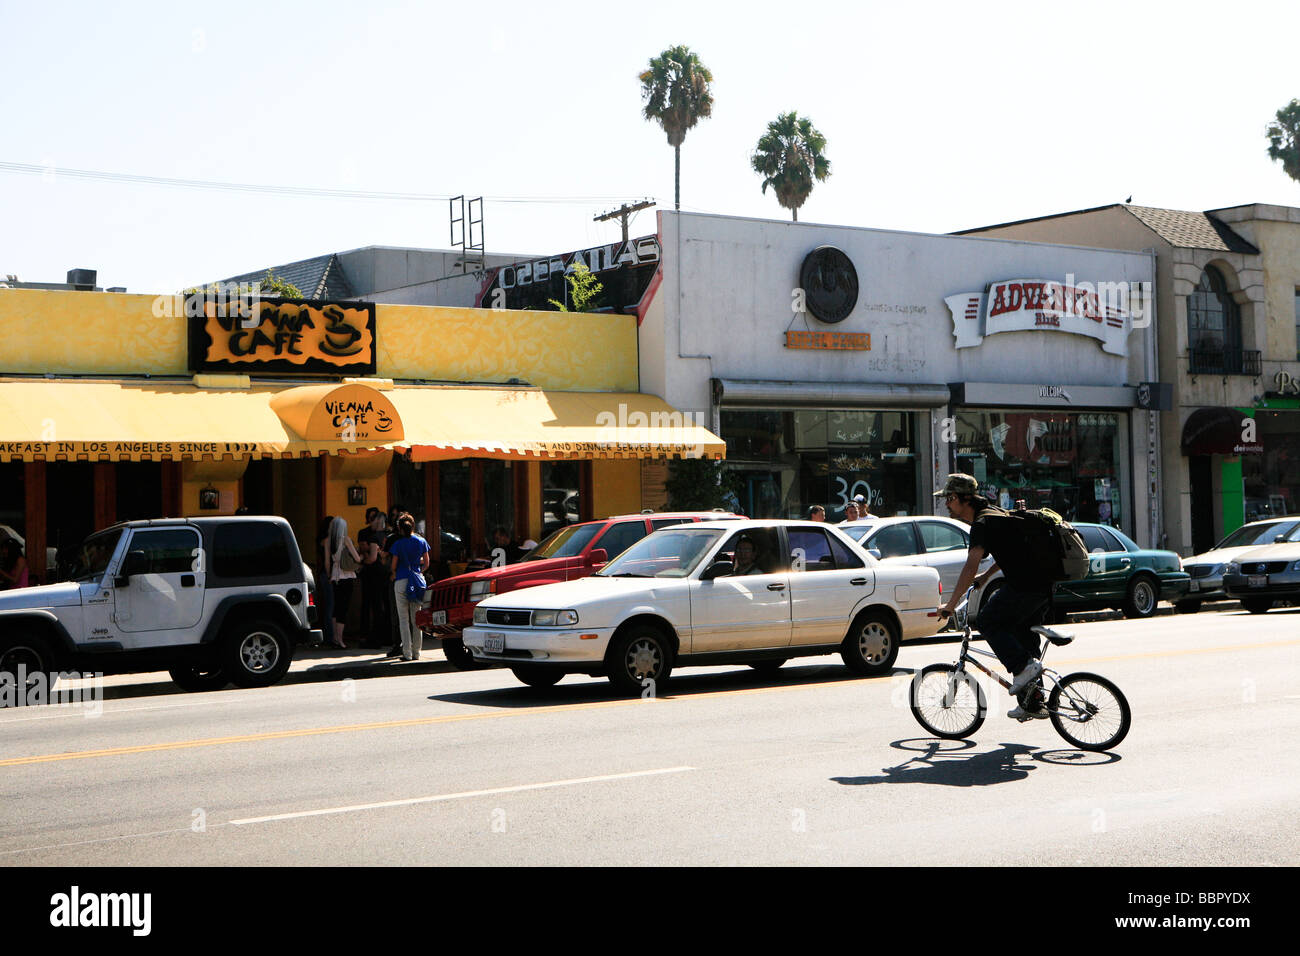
(677, 178)
(796, 214)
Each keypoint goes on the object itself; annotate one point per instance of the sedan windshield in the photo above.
(1253, 534)
(670, 553)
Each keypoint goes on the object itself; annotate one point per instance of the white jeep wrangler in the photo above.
(210, 600)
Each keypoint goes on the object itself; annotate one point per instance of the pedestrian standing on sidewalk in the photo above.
(324, 586)
(374, 580)
(409, 558)
(394, 630)
(346, 563)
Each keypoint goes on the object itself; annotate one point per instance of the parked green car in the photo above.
(1122, 576)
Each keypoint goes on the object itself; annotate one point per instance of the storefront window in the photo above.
(408, 490)
(13, 501)
(1272, 479)
(787, 461)
(498, 504)
(1067, 461)
(560, 483)
(453, 508)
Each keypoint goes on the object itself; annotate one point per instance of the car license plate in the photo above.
(1194, 586)
(494, 643)
(437, 617)
(1257, 581)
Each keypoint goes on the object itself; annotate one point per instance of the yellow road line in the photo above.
(556, 709)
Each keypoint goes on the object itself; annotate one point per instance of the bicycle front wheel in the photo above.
(947, 702)
(1089, 711)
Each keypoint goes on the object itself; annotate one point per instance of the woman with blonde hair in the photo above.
(343, 574)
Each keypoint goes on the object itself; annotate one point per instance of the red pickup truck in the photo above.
(572, 552)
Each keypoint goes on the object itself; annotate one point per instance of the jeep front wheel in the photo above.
(256, 653)
(27, 658)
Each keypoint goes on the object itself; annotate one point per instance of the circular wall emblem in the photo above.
(830, 284)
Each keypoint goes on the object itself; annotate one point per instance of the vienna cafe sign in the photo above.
(283, 335)
(1105, 311)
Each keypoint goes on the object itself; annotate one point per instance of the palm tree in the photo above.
(676, 93)
(790, 155)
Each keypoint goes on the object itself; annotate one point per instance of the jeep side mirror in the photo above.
(716, 570)
(597, 556)
(135, 562)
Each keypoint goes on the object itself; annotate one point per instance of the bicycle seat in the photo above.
(1056, 637)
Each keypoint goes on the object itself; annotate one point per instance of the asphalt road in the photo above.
(807, 766)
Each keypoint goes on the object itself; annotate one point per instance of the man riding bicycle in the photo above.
(1005, 621)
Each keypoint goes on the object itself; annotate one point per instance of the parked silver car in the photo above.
(1207, 569)
(926, 540)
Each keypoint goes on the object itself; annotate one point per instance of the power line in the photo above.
(296, 191)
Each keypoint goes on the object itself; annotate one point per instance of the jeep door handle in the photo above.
(187, 580)
(776, 587)
(858, 581)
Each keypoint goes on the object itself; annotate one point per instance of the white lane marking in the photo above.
(457, 796)
(108, 839)
(70, 710)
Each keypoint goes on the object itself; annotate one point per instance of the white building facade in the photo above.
(837, 361)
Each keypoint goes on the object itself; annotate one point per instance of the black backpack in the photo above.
(1052, 545)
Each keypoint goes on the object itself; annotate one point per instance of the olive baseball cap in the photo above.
(959, 484)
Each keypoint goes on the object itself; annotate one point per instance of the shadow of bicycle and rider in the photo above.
(959, 763)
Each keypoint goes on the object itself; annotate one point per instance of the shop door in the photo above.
(69, 510)
(1202, 503)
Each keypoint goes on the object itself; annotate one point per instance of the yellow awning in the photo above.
(153, 421)
(145, 421)
(520, 423)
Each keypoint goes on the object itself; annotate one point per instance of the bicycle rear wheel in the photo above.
(947, 702)
(1089, 711)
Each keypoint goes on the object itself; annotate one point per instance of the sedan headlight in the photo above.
(555, 618)
(480, 615)
(1218, 570)
(1295, 566)
(480, 590)
(1232, 567)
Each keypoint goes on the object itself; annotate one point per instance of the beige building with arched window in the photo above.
(1228, 317)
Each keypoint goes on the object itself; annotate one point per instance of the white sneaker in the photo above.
(1019, 713)
(1026, 677)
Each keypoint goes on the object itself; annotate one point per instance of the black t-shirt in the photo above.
(999, 535)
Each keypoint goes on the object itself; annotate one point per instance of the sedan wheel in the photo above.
(1143, 598)
(871, 646)
(639, 661)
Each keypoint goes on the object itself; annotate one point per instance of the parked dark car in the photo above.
(1264, 577)
(1121, 576)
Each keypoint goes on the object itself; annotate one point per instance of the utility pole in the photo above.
(622, 212)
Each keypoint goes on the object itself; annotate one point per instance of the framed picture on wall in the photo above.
(209, 499)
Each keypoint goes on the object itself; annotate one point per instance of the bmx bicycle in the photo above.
(1086, 709)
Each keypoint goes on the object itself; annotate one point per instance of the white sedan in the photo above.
(748, 592)
(939, 543)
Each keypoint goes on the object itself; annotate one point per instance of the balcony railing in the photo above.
(1217, 361)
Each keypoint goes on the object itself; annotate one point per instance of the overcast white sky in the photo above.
(938, 116)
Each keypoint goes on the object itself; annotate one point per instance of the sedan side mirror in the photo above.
(874, 552)
(716, 570)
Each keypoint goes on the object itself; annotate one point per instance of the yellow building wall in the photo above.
(615, 487)
(370, 472)
(108, 333)
(565, 351)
